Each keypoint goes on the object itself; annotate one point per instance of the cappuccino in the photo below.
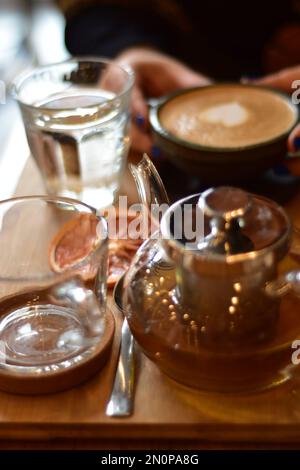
(228, 116)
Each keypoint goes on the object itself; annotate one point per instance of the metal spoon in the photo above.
(151, 191)
(121, 399)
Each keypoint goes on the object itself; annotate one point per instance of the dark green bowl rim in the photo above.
(157, 105)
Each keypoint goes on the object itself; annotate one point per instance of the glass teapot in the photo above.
(204, 297)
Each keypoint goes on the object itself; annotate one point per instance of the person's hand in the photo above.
(294, 146)
(156, 75)
(284, 80)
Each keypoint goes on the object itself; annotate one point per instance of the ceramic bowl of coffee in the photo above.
(224, 132)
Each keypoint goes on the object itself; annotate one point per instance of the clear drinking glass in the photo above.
(52, 282)
(76, 116)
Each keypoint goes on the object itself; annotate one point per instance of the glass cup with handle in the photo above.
(52, 282)
(76, 116)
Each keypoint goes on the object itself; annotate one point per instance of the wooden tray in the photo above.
(163, 409)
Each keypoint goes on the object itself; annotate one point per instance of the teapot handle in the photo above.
(151, 190)
(150, 187)
(288, 282)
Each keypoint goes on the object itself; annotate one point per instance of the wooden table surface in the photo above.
(166, 415)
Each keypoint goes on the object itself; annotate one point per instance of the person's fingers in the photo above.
(294, 166)
(169, 77)
(294, 146)
(157, 74)
(138, 103)
(278, 80)
(294, 140)
(112, 79)
(282, 80)
(140, 141)
(189, 78)
(139, 109)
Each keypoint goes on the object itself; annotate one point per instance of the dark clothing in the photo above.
(224, 39)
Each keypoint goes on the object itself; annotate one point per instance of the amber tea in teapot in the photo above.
(220, 316)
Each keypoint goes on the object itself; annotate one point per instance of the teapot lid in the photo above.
(239, 222)
(236, 225)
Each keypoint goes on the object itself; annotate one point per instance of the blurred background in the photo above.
(31, 33)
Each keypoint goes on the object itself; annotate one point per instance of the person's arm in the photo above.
(156, 74)
(106, 29)
(136, 34)
(287, 80)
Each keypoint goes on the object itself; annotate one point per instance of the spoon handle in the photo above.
(121, 399)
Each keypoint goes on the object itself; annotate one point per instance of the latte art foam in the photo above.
(228, 116)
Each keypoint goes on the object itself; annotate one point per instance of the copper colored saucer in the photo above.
(59, 377)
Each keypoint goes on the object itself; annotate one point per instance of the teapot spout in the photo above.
(150, 187)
